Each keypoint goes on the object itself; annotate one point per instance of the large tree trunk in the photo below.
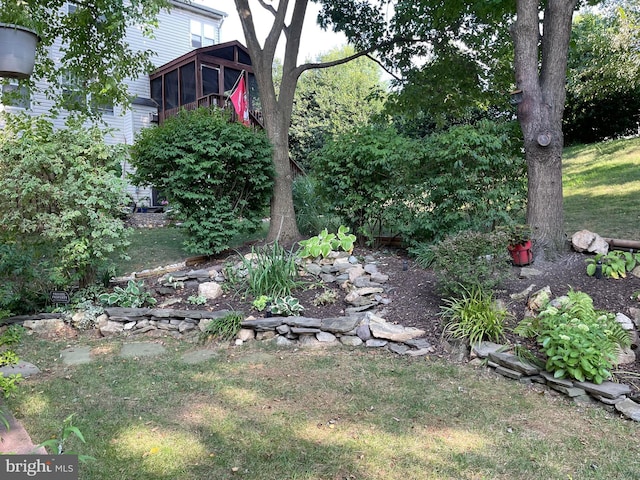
(541, 75)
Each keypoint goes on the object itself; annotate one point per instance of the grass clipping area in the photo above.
(259, 413)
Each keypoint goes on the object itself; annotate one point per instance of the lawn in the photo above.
(258, 413)
(602, 188)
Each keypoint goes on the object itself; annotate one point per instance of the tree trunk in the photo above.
(540, 68)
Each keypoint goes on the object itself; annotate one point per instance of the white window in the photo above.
(202, 34)
(15, 95)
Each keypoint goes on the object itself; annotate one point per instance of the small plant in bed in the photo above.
(474, 315)
(223, 328)
(132, 296)
(615, 264)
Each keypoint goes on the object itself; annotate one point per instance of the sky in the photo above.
(314, 40)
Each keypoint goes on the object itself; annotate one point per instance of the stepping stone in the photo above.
(199, 356)
(76, 355)
(26, 369)
(141, 349)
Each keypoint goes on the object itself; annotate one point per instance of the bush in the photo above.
(271, 272)
(474, 316)
(218, 174)
(362, 174)
(469, 259)
(312, 213)
(60, 203)
(473, 177)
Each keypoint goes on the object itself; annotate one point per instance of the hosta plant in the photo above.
(579, 341)
(615, 264)
(286, 306)
(132, 296)
(324, 243)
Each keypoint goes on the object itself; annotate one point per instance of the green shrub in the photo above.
(469, 259)
(216, 173)
(472, 177)
(578, 341)
(60, 203)
(362, 174)
(312, 212)
(132, 296)
(271, 271)
(475, 316)
(223, 328)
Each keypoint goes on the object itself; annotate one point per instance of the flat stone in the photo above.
(365, 282)
(609, 401)
(304, 330)
(421, 352)
(375, 343)
(569, 391)
(351, 341)
(45, 325)
(265, 335)
(380, 328)
(145, 329)
(629, 409)
(186, 326)
(263, 324)
(369, 291)
(111, 328)
(283, 329)
(339, 324)
(539, 299)
(313, 269)
(528, 272)
(126, 313)
(129, 325)
(507, 372)
(584, 400)
(76, 355)
(523, 294)
(482, 349)
(606, 389)
(548, 376)
(198, 356)
(141, 349)
(399, 348)
(361, 308)
(355, 272)
(246, 334)
(26, 369)
(514, 363)
(200, 274)
(379, 277)
(326, 337)
(303, 322)
(418, 343)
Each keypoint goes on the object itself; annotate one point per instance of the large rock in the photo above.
(111, 328)
(45, 326)
(586, 241)
(210, 290)
(382, 329)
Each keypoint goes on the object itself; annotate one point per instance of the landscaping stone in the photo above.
(629, 409)
(507, 372)
(539, 298)
(556, 381)
(326, 337)
(606, 389)
(568, 391)
(111, 329)
(586, 241)
(283, 341)
(514, 363)
(26, 369)
(529, 272)
(246, 334)
(625, 322)
(375, 343)
(483, 349)
(210, 290)
(419, 343)
(309, 341)
(399, 348)
(380, 328)
(421, 352)
(198, 356)
(76, 355)
(339, 324)
(351, 341)
(141, 349)
(625, 356)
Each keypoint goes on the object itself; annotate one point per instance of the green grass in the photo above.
(602, 188)
(340, 414)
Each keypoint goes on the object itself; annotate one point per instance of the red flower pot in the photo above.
(521, 253)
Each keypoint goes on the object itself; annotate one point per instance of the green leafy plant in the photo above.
(286, 306)
(578, 341)
(615, 264)
(261, 302)
(224, 328)
(474, 315)
(328, 296)
(132, 296)
(469, 259)
(218, 174)
(12, 335)
(271, 271)
(516, 234)
(197, 300)
(324, 243)
(67, 431)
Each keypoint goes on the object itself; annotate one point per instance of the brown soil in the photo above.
(416, 302)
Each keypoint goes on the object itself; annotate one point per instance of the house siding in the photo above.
(172, 39)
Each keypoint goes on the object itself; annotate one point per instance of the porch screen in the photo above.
(210, 80)
(171, 90)
(230, 78)
(156, 91)
(188, 83)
